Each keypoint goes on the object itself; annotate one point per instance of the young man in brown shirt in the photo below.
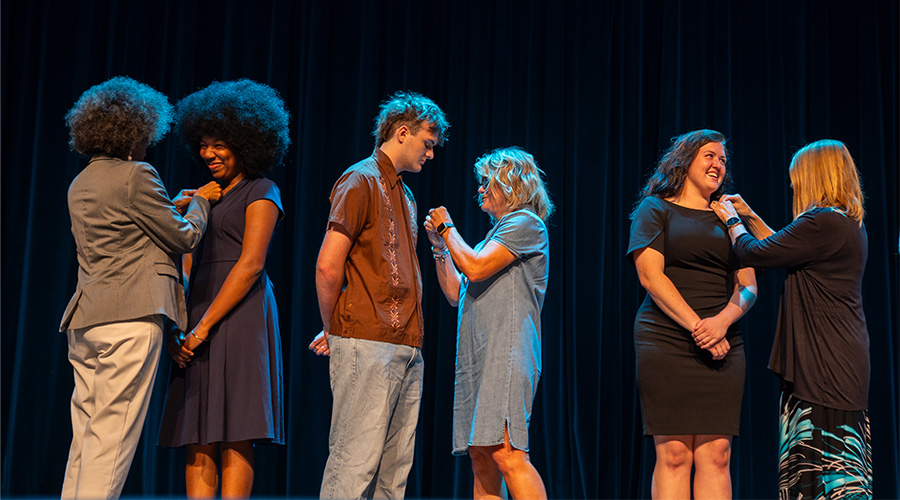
(372, 328)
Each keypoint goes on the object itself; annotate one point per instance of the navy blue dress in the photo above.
(232, 389)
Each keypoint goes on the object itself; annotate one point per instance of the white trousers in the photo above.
(114, 366)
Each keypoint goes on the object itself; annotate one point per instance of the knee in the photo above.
(714, 455)
(203, 457)
(509, 460)
(674, 455)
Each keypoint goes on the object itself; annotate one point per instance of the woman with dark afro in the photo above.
(128, 234)
(225, 388)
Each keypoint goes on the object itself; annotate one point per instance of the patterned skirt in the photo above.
(825, 453)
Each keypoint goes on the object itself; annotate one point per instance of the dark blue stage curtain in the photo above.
(594, 89)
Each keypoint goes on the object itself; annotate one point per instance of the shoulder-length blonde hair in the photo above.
(515, 173)
(823, 175)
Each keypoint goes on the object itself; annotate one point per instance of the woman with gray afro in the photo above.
(225, 388)
(127, 234)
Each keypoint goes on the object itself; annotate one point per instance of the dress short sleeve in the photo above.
(265, 189)
(648, 224)
(522, 232)
(350, 203)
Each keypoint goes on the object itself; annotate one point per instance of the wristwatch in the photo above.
(443, 226)
(734, 221)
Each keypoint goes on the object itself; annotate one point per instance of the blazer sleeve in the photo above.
(151, 209)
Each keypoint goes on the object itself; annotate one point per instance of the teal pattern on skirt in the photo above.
(825, 453)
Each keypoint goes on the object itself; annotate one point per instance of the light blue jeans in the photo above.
(377, 387)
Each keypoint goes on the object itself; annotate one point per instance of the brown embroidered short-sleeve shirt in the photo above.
(383, 297)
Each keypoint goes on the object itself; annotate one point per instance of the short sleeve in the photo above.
(265, 189)
(648, 224)
(522, 233)
(350, 203)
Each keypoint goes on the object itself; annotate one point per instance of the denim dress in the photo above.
(498, 346)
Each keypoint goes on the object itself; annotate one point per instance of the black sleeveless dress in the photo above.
(682, 389)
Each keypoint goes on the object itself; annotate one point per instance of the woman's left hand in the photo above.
(179, 355)
(720, 350)
(433, 237)
(192, 342)
(710, 331)
(724, 210)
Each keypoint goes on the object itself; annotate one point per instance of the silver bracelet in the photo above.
(441, 254)
(193, 334)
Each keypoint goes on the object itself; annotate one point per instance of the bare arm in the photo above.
(260, 220)
(650, 265)
(713, 329)
(329, 282)
(448, 276)
(180, 355)
(477, 266)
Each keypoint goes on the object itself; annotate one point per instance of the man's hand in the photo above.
(319, 345)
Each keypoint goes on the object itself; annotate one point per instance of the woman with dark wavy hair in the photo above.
(127, 235)
(689, 353)
(225, 389)
(499, 286)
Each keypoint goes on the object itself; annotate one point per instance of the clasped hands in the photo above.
(709, 333)
(182, 346)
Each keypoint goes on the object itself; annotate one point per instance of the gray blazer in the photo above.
(128, 236)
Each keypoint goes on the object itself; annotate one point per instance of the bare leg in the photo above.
(712, 460)
(237, 469)
(488, 481)
(521, 477)
(672, 473)
(201, 473)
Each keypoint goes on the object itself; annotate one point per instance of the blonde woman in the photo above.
(821, 349)
(499, 285)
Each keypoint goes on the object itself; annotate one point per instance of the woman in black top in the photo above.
(689, 352)
(821, 350)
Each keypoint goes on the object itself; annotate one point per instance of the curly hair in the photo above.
(516, 174)
(248, 116)
(668, 178)
(411, 109)
(113, 117)
(823, 174)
